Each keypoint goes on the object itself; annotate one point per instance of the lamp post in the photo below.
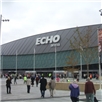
(34, 60)
(100, 12)
(55, 57)
(2, 62)
(16, 61)
(81, 62)
(55, 46)
(4, 20)
(55, 61)
(99, 92)
(80, 66)
(100, 52)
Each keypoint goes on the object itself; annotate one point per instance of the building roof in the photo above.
(27, 45)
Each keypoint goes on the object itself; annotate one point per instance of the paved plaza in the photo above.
(19, 93)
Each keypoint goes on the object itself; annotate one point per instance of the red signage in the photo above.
(100, 40)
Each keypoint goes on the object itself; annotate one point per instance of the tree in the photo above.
(82, 44)
(72, 62)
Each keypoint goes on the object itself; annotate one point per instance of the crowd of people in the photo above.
(91, 75)
(74, 87)
(29, 81)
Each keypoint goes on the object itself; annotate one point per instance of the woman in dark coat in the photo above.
(43, 83)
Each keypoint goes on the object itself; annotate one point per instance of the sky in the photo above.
(32, 17)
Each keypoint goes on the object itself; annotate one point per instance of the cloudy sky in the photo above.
(31, 17)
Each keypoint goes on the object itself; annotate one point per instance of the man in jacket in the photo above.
(89, 90)
(8, 85)
(74, 94)
(43, 83)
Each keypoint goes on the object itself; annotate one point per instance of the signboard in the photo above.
(100, 40)
(47, 39)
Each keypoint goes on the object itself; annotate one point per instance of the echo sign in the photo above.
(48, 39)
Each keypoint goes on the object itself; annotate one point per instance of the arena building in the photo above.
(47, 52)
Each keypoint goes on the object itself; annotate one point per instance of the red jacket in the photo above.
(89, 87)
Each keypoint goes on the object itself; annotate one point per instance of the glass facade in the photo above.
(47, 60)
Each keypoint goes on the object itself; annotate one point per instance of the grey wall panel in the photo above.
(66, 42)
(93, 39)
(22, 46)
(11, 48)
(7, 48)
(64, 38)
(18, 47)
(27, 45)
(30, 45)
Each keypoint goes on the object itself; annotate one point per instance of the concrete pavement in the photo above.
(19, 93)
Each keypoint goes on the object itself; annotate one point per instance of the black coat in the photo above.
(43, 83)
(8, 82)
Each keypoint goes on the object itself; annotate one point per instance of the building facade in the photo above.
(49, 51)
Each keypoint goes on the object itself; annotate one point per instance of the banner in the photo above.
(100, 50)
(100, 40)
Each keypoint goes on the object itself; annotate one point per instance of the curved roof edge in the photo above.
(27, 45)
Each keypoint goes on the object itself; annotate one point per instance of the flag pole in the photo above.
(16, 62)
(99, 92)
(100, 69)
(55, 62)
(34, 60)
(99, 56)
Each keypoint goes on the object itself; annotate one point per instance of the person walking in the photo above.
(37, 80)
(25, 79)
(28, 84)
(89, 90)
(74, 91)
(8, 85)
(15, 79)
(52, 86)
(43, 83)
(32, 80)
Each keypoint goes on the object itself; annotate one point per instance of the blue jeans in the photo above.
(42, 93)
(90, 97)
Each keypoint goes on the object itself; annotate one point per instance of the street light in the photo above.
(100, 12)
(55, 61)
(4, 20)
(81, 62)
(55, 46)
(34, 60)
(99, 92)
(100, 51)
(16, 61)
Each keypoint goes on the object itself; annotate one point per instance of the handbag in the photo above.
(95, 99)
